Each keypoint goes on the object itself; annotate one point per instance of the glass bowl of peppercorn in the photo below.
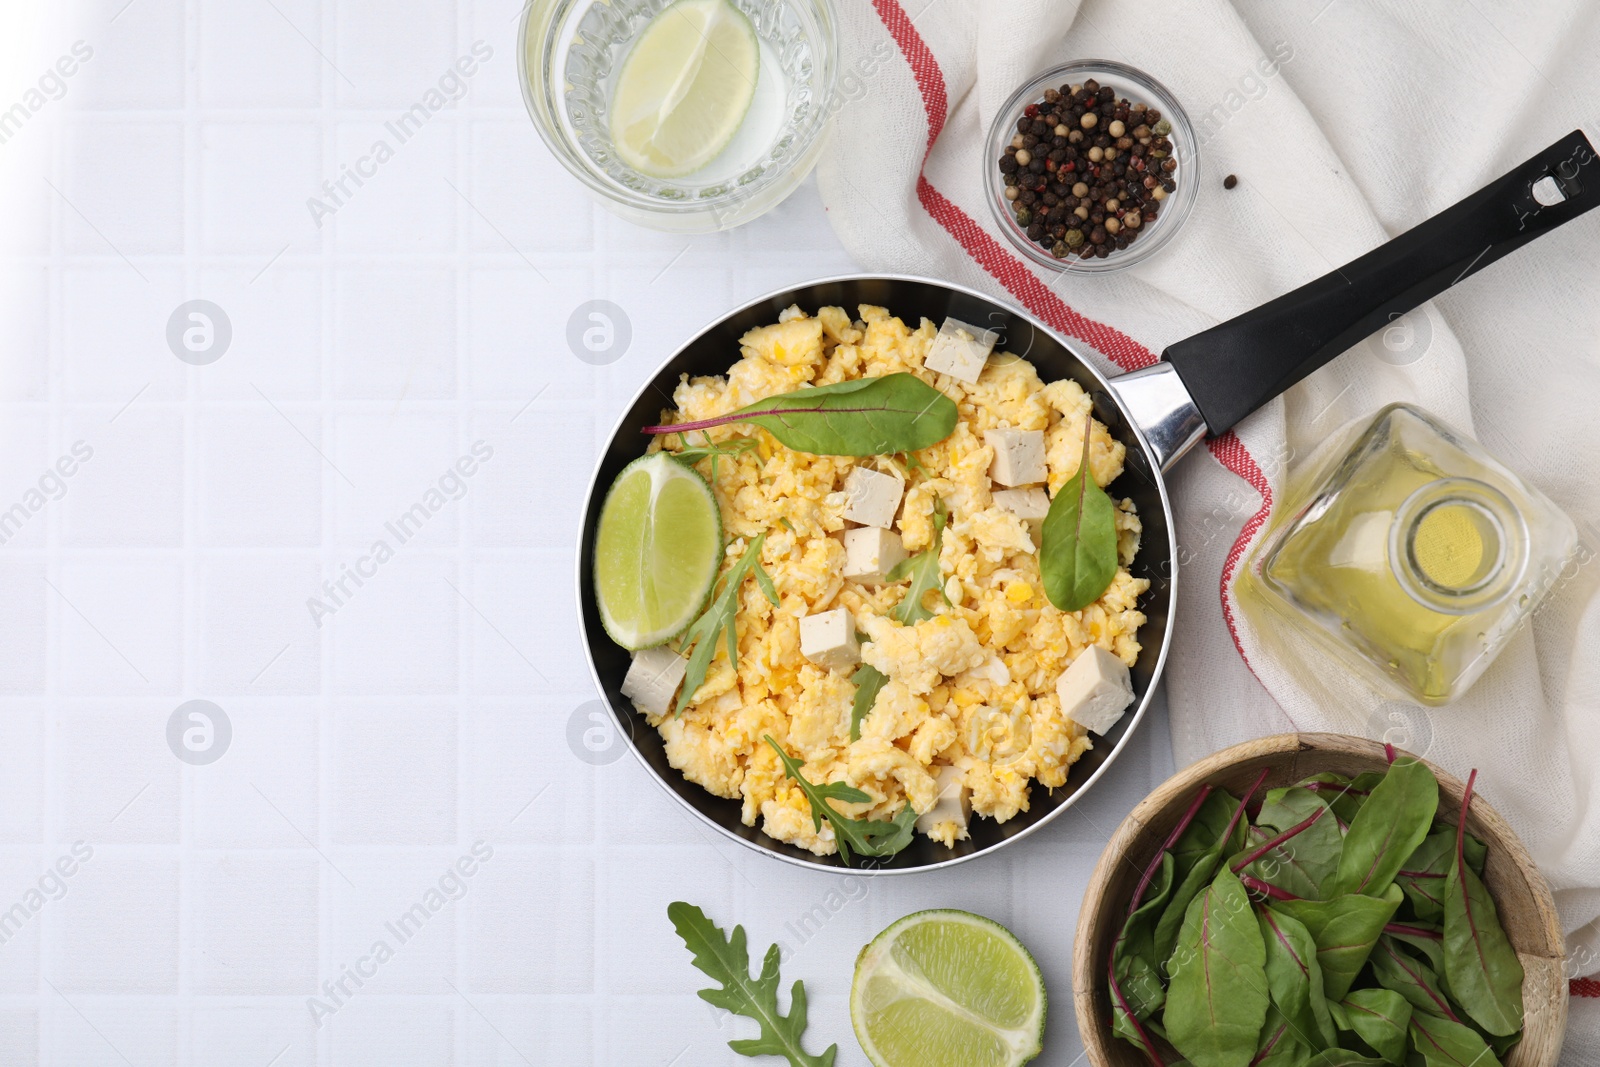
(1092, 167)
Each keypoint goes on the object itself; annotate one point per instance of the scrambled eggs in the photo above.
(974, 687)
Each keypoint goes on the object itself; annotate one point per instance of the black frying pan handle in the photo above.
(1234, 368)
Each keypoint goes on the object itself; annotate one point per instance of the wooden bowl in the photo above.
(1520, 892)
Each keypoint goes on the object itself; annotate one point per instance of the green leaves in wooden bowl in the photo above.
(1340, 925)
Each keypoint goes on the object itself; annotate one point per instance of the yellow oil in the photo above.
(1400, 556)
(1448, 546)
(1338, 567)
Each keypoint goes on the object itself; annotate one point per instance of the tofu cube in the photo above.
(653, 679)
(828, 639)
(1018, 457)
(872, 497)
(960, 350)
(1030, 505)
(954, 803)
(1095, 690)
(871, 553)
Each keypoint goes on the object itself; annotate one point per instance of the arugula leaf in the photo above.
(692, 454)
(923, 570)
(861, 417)
(868, 680)
(727, 961)
(718, 619)
(1078, 543)
(869, 837)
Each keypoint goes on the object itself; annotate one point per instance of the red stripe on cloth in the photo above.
(1038, 298)
(1023, 284)
(1585, 987)
(924, 68)
(1232, 454)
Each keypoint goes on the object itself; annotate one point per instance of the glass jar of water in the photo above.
(571, 54)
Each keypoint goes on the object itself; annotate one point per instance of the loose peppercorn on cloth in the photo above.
(1345, 122)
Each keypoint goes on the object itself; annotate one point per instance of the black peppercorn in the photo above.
(1096, 186)
(1230, 181)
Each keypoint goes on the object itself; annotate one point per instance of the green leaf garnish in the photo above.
(861, 417)
(868, 837)
(709, 449)
(1078, 544)
(923, 570)
(727, 961)
(868, 680)
(718, 619)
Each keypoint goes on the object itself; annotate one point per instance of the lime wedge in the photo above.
(947, 989)
(657, 551)
(684, 88)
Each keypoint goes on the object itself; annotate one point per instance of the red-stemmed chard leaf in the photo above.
(1413, 931)
(1203, 868)
(1217, 999)
(1271, 843)
(860, 417)
(1481, 966)
(1126, 1012)
(1397, 970)
(1388, 828)
(1172, 839)
(1265, 890)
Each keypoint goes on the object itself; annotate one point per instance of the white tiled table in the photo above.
(431, 707)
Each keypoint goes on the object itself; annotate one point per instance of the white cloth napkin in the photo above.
(1346, 122)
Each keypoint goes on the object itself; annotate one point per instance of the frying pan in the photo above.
(1201, 385)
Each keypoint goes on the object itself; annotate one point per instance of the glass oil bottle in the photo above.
(1411, 556)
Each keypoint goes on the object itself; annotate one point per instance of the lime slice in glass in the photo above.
(684, 88)
(947, 989)
(658, 548)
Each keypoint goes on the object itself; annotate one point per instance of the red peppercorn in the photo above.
(1031, 110)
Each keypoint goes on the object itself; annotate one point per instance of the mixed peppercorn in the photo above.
(1088, 170)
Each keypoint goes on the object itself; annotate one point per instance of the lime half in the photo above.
(657, 551)
(947, 989)
(684, 88)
